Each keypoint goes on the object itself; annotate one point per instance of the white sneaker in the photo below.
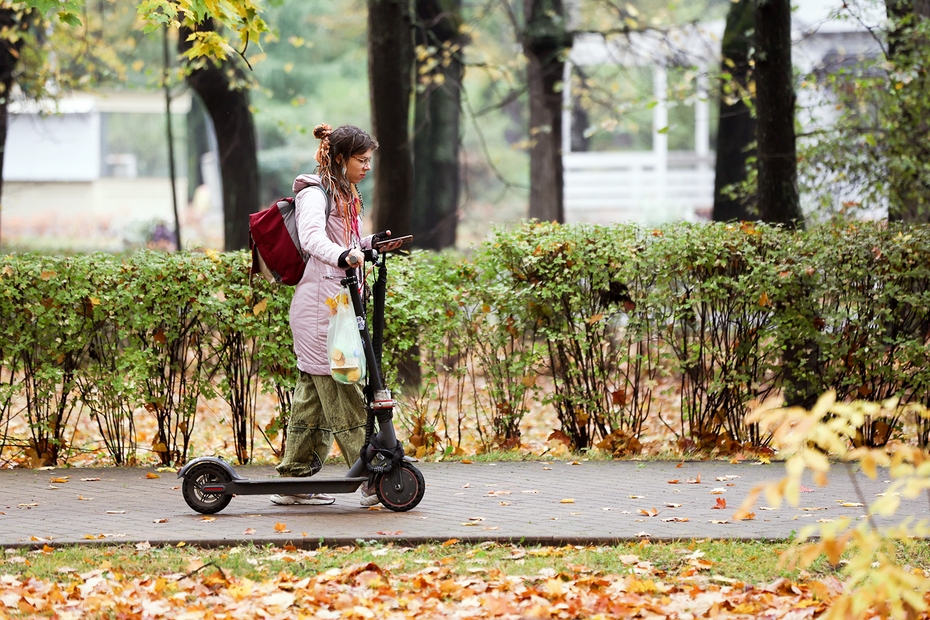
(304, 499)
(369, 496)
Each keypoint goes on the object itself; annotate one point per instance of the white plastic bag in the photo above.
(344, 343)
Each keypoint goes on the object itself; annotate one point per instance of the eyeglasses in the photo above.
(365, 161)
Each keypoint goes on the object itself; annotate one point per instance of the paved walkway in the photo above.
(531, 502)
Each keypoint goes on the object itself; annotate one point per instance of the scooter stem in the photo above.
(385, 436)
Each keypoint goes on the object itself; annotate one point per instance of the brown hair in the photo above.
(336, 147)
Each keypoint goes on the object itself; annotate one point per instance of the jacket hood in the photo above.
(304, 181)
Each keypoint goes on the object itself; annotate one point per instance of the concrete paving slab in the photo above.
(524, 502)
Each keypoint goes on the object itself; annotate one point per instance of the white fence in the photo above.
(641, 187)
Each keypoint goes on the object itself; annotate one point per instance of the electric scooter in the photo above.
(210, 483)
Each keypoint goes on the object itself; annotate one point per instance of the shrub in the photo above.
(727, 295)
(571, 280)
(423, 317)
(871, 322)
(592, 320)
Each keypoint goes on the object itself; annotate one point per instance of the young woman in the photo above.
(323, 409)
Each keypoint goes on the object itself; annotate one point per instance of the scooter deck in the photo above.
(284, 486)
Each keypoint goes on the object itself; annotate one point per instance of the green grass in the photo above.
(754, 562)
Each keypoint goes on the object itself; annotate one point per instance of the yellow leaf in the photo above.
(280, 527)
(594, 319)
(833, 549)
(61, 480)
(567, 500)
(152, 475)
(48, 275)
(869, 465)
(260, 307)
(764, 300)
(240, 591)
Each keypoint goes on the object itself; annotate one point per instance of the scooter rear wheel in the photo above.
(402, 488)
(201, 475)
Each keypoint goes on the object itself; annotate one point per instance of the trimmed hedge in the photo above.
(601, 316)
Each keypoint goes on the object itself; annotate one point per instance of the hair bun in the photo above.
(322, 131)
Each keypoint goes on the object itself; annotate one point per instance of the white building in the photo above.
(91, 171)
(663, 184)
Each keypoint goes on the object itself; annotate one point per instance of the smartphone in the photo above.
(385, 241)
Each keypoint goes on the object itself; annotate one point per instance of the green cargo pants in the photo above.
(322, 409)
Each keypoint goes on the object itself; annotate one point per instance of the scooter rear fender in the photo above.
(210, 459)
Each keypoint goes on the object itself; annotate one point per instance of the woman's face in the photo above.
(358, 166)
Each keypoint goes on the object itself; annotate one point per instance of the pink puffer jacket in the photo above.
(324, 242)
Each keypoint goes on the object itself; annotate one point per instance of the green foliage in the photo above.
(870, 318)
(571, 278)
(504, 345)
(67, 11)
(50, 308)
(603, 323)
(422, 322)
(730, 293)
(170, 305)
(242, 17)
(871, 155)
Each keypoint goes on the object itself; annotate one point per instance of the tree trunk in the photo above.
(545, 40)
(436, 126)
(228, 108)
(909, 196)
(10, 19)
(737, 127)
(390, 76)
(580, 118)
(777, 152)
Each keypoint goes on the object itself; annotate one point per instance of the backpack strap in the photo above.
(329, 199)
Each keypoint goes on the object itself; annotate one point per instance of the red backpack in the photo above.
(273, 240)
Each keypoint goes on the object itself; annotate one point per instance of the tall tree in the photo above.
(909, 160)
(436, 123)
(13, 22)
(218, 83)
(778, 200)
(390, 75)
(545, 41)
(737, 126)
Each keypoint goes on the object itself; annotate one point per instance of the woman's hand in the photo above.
(383, 243)
(355, 257)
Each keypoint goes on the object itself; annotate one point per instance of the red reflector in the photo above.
(209, 489)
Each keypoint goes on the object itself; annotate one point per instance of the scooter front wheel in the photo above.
(402, 488)
(200, 476)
